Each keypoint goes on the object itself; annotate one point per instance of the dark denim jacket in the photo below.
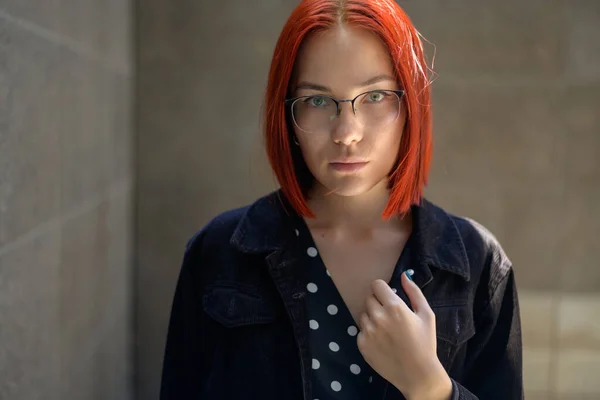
(238, 328)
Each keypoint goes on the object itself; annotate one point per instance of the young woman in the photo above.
(345, 283)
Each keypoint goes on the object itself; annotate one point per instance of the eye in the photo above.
(317, 101)
(375, 97)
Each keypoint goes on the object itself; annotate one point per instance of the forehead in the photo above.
(343, 57)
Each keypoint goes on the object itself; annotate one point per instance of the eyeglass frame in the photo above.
(290, 102)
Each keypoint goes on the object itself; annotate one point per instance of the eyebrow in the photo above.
(368, 82)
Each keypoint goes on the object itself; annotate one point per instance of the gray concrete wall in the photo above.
(517, 147)
(201, 74)
(65, 199)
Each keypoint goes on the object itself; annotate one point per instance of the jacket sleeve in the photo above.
(187, 347)
(493, 369)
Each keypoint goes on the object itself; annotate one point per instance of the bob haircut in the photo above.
(408, 177)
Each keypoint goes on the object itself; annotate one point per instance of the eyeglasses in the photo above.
(373, 109)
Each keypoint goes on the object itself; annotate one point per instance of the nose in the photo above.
(346, 129)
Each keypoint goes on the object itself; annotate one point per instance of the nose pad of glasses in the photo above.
(339, 110)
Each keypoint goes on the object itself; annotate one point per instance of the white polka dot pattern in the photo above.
(337, 362)
(336, 386)
(315, 364)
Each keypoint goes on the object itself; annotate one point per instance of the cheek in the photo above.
(312, 147)
(398, 135)
(388, 145)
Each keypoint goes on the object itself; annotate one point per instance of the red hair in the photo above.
(385, 18)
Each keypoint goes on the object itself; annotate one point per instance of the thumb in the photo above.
(415, 295)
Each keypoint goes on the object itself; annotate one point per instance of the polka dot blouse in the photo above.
(338, 369)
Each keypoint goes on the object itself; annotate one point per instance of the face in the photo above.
(348, 154)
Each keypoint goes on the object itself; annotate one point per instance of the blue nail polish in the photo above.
(409, 273)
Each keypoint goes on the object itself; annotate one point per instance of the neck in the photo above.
(361, 212)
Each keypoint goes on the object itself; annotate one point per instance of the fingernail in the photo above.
(409, 273)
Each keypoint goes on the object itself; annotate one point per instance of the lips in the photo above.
(348, 166)
(353, 160)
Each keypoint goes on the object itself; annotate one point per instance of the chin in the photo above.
(348, 188)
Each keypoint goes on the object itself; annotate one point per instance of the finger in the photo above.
(417, 299)
(384, 293)
(373, 308)
(364, 323)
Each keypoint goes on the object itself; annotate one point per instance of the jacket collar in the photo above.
(265, 226)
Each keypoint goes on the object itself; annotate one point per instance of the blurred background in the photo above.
(126, 125)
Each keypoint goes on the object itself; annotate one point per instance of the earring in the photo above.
(296, 140)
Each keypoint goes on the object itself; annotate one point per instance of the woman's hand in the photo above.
(401, 344)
